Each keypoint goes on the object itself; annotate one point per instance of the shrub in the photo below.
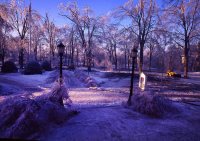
(9, 67)
(23, 117)
(33, 67)
(46, 66)
(152, 105)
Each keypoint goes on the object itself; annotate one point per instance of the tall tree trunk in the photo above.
(50, 53)
(85, 51)
(21, 55)
(141, 56)
(186, 51)
(170, 68)
(125, 58)
(3, 56)
(35, 52)
(21, 58)
(115, 53)
(40, 52)
(150, 57)
(77, 53)
(89, 58)
(72, 54)
(128, 62)
(68, 56)
(84, 60)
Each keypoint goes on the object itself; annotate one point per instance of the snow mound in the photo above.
(23, 117)
(90, 82)
(153, 105)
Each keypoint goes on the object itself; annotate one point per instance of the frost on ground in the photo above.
(117, 123)
(102, 115)
(23, 117)
(16, 83)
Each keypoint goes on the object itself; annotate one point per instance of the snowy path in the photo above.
(90, 97)
(103, 118)
(118, 123)
(85, 97)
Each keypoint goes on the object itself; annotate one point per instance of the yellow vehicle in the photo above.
(172, 74)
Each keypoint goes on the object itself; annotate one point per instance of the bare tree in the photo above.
(5, 29)
(143, 17)
(50, 31)
(111, 36)
(86, 25)
(185, 20)
(18, 18)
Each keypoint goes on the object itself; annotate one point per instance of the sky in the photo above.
(100, 7)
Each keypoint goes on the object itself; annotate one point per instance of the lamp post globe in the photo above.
(61, 49)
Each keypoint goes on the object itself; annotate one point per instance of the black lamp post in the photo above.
(134, 55)
(61, 48)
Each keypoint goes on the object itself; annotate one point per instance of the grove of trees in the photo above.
(167, 35)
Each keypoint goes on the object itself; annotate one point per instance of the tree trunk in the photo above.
(84, 60)
(3, 56)
(35, 52)
(84, 56)
(125, 58)
(186, 50)
(115, 51)
(150, 58)
(21, 58)
(72, 55)
(89, 56)
(40, 49)
(77, 53)
(141, 57)
(128, 62)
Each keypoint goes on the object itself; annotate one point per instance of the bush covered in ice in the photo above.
(33, 67)
(9, 67)
(24, 117)
(152, 105)
(46, 66)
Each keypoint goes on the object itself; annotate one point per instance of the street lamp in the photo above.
(61, 48)
(133, 55)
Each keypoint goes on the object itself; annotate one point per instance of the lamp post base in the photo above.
(129, 102)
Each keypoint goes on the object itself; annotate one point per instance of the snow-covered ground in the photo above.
(102, 115)
(16, 83)
(118, 123)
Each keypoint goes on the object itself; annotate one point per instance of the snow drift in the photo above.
(25, 117)
(90, 82)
